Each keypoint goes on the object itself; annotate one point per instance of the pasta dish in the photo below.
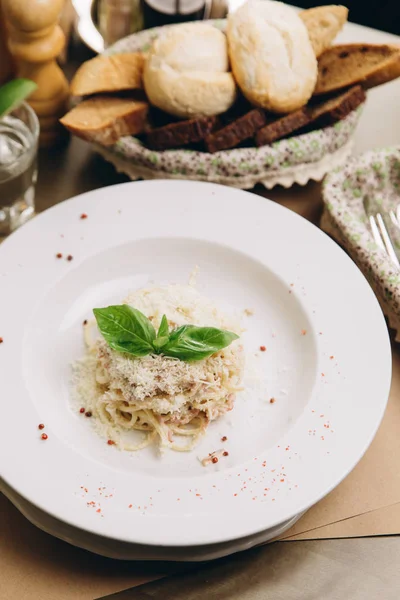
(168, 400)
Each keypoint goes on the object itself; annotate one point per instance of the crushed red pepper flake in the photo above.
(84, 216)
(262, 348)
(41, 426)
(58, 255)
(111, 442)
(82, 410)
(214, 459)
(85, 322)
(88, 413)
(224, 438)
(98, 510)
(272, 400)
(331, 357)
(303, 332)
(130, 506)
(70, 257)
(225, 453)
(44, 436)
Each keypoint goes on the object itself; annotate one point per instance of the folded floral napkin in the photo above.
(369, 183)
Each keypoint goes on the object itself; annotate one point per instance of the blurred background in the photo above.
(380, 14)
(102, 22)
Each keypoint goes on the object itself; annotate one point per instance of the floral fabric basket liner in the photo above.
(288, 161)
(372, 178)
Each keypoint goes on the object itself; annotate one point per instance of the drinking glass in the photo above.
(19, 132)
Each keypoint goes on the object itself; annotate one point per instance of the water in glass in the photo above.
(18, 171)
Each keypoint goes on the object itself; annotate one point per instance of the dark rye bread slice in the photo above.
(314, 116)
(236, 132)
(181, 133)
(282, 127)
(337, 108)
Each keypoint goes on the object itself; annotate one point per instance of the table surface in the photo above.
(329, 569)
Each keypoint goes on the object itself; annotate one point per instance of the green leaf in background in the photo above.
(13, 93)
(196, 343)
(126, 329)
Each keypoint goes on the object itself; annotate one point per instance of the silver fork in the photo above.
(381, 233)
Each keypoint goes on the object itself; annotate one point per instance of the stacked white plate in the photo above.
(327, 364)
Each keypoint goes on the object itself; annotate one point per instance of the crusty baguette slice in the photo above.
(109, 74)
(323, 24)
(104, 119)
(367, 64)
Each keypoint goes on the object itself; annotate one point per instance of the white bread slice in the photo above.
(367, 64)
(323, 24)
(109, 74)
(104, 119)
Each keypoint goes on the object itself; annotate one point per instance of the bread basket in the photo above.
(295, 160)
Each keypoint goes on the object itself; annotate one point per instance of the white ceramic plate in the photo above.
(327, 362)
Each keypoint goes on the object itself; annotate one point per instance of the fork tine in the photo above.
(393, 218)
(386, 240)
(398, 213)
(375, 233)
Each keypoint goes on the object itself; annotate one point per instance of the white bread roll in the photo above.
(187, 72)
(271, 55)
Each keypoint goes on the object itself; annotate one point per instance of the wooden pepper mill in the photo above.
(35, 40)
(6, 63)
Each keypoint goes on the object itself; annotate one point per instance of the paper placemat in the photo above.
(34, 565)
(384, 521)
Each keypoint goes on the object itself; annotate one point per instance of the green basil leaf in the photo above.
(126, 329)
(13, 93)
(196, 343)
(160, 342)
(163, 329)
